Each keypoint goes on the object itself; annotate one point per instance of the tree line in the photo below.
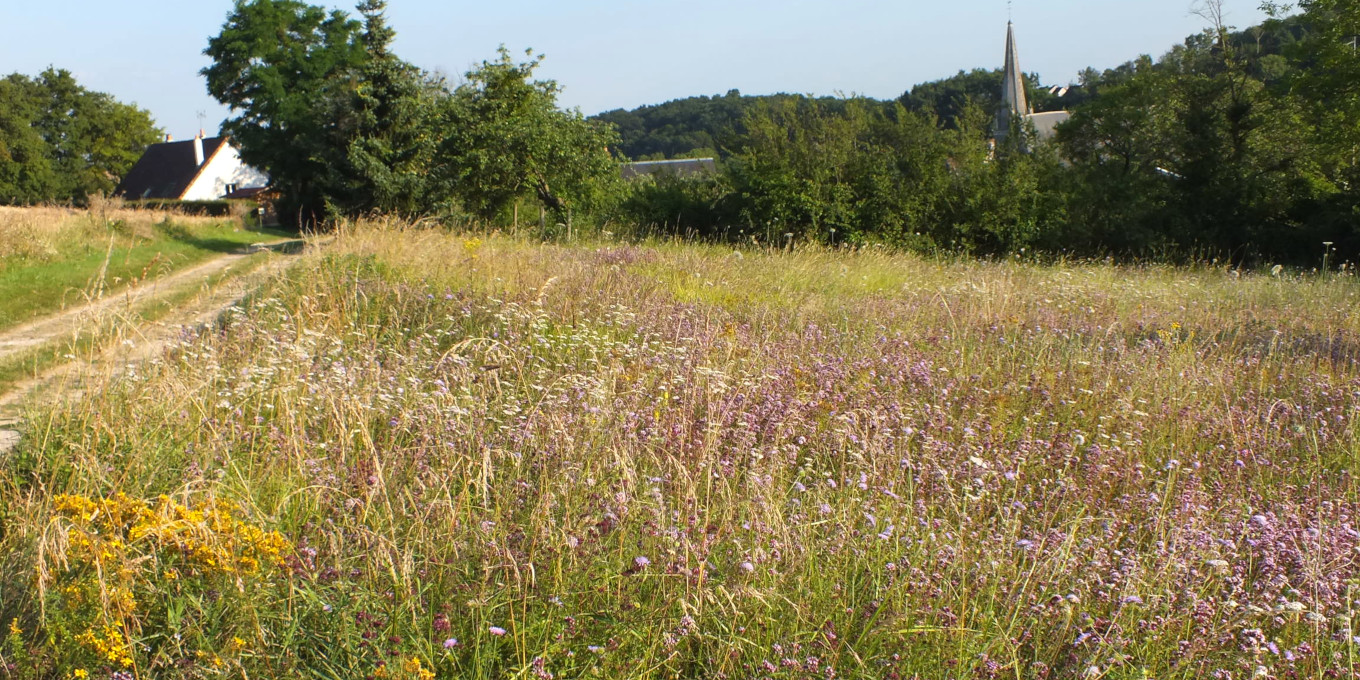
(1244, 145)
(60, 142)
(1241, 145)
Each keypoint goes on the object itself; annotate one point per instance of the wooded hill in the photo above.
(704, 126)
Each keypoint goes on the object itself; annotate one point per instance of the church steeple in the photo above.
(1014, 102)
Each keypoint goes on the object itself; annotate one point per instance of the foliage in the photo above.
(694, 127)
(1330, 75)
(862, 172)
(1235, 144)
(949, 99)
(505, 136)
(60, 142)
(1196, 152)
(388, 119)
(699, 204)
(285, 67)
(346, 128)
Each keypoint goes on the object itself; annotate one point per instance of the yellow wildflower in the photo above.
(413, 667)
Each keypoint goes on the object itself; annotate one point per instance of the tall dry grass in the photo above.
(44, 233)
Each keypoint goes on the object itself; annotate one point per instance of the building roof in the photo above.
(1014, 100)
(1046, 123)
(679, 167)
(166, 170)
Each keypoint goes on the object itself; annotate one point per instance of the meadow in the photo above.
(426, 455)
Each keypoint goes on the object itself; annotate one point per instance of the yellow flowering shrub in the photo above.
(205, 541)
(125, 557)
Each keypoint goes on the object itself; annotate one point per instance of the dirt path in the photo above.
(44, 330)
(140, 342)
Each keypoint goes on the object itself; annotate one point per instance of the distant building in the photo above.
(200, 169)
(1014, 101)
(680, 167)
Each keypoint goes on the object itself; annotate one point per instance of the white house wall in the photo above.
(222, 169)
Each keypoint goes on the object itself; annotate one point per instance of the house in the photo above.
(679, 167)
(1015, 103)
(201, 169)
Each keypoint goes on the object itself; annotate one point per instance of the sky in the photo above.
(610, 54)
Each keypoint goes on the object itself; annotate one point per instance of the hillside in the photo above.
(690, 127)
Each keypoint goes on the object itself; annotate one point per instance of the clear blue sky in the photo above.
(623, 53)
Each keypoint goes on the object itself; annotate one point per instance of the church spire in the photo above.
(1014, 102)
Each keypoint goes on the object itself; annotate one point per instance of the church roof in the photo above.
(1015, 102)
(1013, 86)
(1046, 123)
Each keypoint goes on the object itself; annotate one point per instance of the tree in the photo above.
(1194, 152)
(506, 137)
(26, 174)
(287, 69)
(62, 142)
(390, 119)
(948, 98)
(792, 167)
(1330, 74)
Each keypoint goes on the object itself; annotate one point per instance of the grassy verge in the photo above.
(53, 259)
(428, 455)
(96, 335)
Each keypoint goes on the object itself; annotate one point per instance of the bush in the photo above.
(679, 205)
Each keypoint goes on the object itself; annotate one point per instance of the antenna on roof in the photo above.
(202, 116)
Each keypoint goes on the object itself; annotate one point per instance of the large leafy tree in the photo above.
(283, 67)
(62, 142)
(506, 137)
(345, 128)
(1195, 152)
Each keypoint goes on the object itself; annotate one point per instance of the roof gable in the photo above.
(167, 169)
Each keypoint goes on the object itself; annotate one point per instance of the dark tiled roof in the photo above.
(681, 167)
(166, 170)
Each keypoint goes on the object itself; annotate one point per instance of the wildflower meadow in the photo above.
(421, 454)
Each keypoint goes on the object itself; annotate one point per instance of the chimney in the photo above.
(169, 138)
(198, 149)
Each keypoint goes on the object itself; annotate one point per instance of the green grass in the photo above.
(103, 260)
